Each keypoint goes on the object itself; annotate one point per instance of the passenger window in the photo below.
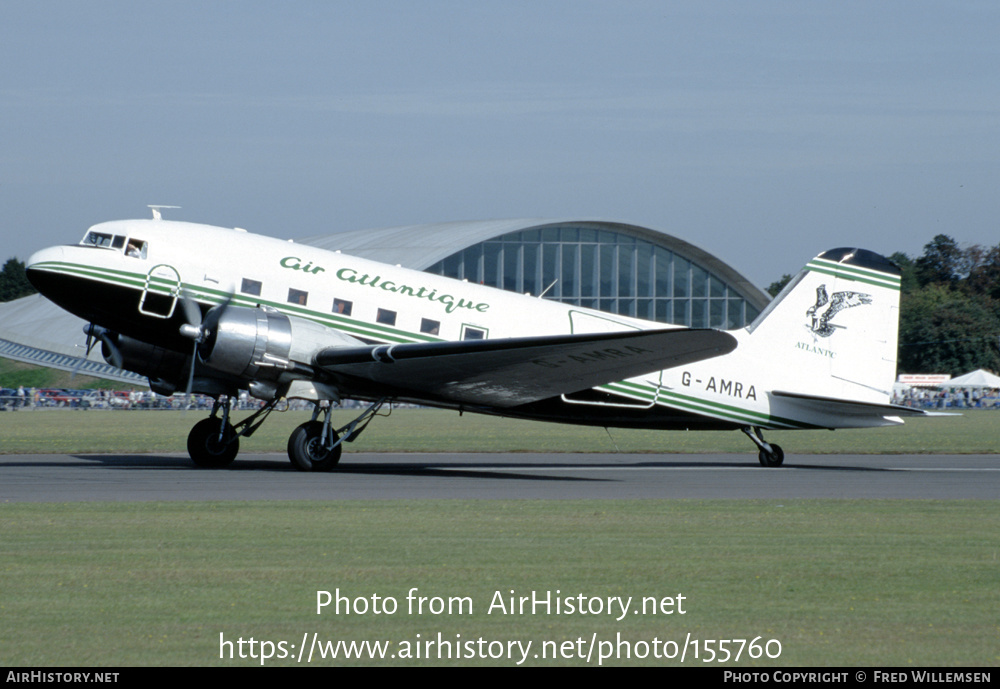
(251, 287)
(470, 333)
(342, 306)
(386, 317)
(430, 327)
(297, 296)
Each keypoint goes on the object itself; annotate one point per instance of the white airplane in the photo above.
(216, 311)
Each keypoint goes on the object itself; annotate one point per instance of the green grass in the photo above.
(888, 583)
(428, 430)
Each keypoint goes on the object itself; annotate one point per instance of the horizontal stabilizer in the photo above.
(515, 371)
(830, 405)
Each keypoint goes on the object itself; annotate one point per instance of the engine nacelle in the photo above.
(262, 344)
(142, 358)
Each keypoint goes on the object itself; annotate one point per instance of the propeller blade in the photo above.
(211, 323)
(190, 385)
(216, 313)
(192, 312)
(88, 331)
(200, 329)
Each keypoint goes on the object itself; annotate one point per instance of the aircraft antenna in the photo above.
(545, 291)
(156, 211)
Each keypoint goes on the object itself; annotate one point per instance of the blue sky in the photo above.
(764, 132)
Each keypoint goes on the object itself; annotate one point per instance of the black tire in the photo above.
(773, 458)
(204, 446)
(305, 449)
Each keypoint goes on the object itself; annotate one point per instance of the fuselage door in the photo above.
(643, 397)
(161, 292)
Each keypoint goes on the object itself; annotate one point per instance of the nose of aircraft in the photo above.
(41, 264)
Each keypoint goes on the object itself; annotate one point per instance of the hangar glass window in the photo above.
(602, 269)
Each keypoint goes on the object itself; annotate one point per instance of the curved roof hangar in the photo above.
(607, 265)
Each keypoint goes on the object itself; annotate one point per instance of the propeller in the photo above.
(86, 355)
(192, 329)
(200, 329)
(109, 349)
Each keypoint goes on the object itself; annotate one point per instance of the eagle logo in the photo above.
(838, 302)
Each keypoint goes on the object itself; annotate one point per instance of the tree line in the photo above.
(949, 308)
(949, 319)
(14, 281)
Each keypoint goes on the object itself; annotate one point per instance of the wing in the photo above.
(510, 372)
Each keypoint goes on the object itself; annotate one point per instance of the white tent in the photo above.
(976, 379)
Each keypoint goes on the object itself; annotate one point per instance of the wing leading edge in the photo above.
(515, 371)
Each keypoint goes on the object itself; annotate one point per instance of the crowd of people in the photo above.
(948, 398)
(13, 399)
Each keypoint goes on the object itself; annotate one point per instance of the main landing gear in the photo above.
(313, 446)
(771, 454)
(316, 446)
(214, 442)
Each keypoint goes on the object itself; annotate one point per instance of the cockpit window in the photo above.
(97, 239)
(136, 248)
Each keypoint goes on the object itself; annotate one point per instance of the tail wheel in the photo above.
(774, 458)
(307, 450)
(206, 448)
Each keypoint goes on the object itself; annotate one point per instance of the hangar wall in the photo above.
(592, 265)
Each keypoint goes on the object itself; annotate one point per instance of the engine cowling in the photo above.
(263, 344)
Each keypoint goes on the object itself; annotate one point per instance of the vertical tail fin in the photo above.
(834, 328)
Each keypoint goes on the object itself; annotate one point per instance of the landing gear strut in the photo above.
(316, 446)
(771, 454)
(214, 442)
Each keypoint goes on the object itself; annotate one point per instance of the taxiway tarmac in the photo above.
(139, 477)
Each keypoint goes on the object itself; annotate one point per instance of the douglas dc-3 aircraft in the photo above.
(216, 311)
